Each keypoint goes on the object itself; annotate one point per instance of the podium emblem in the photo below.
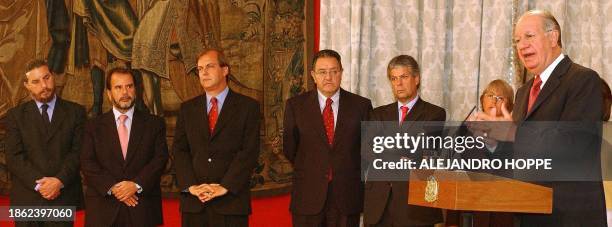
(431, 189)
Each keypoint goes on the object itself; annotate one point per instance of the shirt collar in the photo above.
(51, 103)
(220, 97)
(129, 113)
(546, 73)
(323, 99)
(409, 104)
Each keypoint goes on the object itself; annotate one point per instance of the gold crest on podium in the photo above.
(431, 189)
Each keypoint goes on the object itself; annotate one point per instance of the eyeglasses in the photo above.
(331, 72)
(493, 97)
(401, 77)
(528, 37)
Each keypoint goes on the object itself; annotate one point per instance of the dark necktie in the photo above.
(535, 91)
(45, 115)
(213, 115)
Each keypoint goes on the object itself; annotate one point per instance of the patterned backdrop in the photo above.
(263, 40)
(461, 45)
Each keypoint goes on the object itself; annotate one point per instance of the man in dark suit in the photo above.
(42, 146)
(386, 202)
(216, 145)
(123, 156)
(565, 92)
(327, 187)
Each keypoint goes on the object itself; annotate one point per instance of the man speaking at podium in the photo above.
(565, 93)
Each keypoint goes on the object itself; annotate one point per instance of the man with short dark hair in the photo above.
(42, 146)
(123, 157)
(321, 139)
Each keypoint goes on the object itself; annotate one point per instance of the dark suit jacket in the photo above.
(32, 153)
(571, 94)
(305, 145)
(377, 192)
(226, 157)
(103, 166)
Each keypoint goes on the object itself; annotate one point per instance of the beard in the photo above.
(45, 95)
(128, 102)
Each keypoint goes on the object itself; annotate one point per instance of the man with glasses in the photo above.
(322, 140)
(565, 92)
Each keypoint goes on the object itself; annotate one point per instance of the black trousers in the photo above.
(123, 218)
(330, 216)
(387, 218)
(43, 224)
(209, 218)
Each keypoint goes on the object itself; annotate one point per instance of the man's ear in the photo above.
(109, 95)
(312, 74)
(554, 38)
(25, 82)
(226, 70)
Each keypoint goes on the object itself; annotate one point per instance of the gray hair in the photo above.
(403, 61)
(550, 23)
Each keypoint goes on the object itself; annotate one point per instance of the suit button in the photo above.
(209, 160)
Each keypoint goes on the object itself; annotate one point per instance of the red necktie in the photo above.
(535, 91)
(404, 113)
(123, 134)
(213, 115)
(328, 121)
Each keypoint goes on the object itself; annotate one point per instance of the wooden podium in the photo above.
(469, 191)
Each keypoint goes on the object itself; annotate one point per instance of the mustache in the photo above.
(45, 90)
(125, 98)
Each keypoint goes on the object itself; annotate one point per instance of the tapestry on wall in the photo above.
(160, 39)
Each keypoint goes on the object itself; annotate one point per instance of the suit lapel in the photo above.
(199, 114)
(136, 131)
(33, 115)
(522, 98)
(391, 114)
(414, 114)
(551, 84)
(313, 111)
(344, 115)
(109, 127)
(59, 114)
(417, 111)
(229, 108)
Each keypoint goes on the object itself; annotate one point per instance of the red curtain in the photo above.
(316, 11)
